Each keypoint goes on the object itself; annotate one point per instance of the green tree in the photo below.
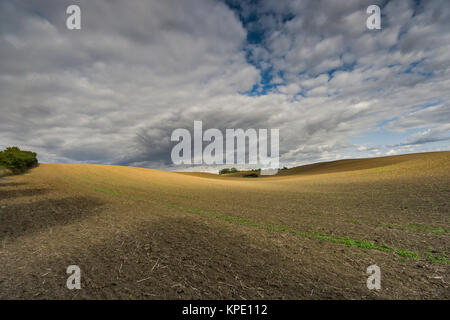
(16, 160)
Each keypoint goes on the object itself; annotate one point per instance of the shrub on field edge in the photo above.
(16, 160)
(226, 170)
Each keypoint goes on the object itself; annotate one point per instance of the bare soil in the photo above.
(308, 233)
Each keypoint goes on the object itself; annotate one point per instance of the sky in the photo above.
(114, 91)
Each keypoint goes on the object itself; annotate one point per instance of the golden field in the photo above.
(308, 233)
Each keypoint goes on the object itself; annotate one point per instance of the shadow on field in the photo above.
(11, 184)
(23, 219)
(184, 258)
(345, 165)
(180, 258)
(10, 194)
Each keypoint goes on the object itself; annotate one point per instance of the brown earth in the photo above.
(308, 233)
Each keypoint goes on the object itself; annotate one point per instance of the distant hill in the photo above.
(309, 232)
(415, 160)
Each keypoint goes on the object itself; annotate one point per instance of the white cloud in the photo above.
(113, 91)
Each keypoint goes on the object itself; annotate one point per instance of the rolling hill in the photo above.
(309, 232)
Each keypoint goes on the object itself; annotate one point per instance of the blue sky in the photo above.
(379, 138)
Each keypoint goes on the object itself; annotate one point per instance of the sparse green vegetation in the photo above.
(314, 234)
(414, 227)
(104, 190)
(406, 253)
(427, 229)
(226, 171)
(436, 258)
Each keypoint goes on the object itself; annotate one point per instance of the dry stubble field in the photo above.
(308, 233)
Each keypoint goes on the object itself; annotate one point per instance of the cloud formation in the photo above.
(114, 91)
